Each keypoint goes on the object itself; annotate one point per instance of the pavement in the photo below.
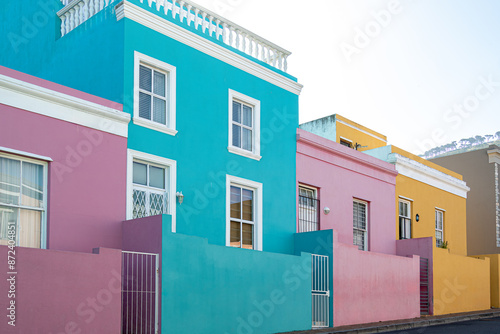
(398, 325)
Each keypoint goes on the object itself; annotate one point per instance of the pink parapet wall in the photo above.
(61, 292)
(372, 287)
(86, 199)
(341, 175)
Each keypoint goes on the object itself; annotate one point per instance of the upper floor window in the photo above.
(244, 125)
(23, 201)
(244, 222)
(360, 224)
(154, 94)
(346, 142)
(404, 219)
(308, 209)
(439, 227)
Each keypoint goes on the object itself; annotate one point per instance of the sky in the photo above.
(422, 72)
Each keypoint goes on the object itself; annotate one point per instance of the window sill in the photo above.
(244, 153)
(154, 126)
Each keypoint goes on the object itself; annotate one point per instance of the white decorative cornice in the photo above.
(428, 175)
(135, 13)
(494, 155)
(47, 102)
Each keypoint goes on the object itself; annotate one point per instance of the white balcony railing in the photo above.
(203, 20)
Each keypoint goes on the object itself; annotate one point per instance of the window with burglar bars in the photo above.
(439, 227)
(308, 210)
(150, 196)
(360, 226)
(404, 220)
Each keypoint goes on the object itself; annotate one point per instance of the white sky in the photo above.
(408, 80)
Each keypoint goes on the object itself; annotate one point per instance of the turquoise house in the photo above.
(211, 144)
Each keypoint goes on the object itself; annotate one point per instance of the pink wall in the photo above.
(422, 247)
(63, 292)
(342, 174)
(87, 191)
(372, 287)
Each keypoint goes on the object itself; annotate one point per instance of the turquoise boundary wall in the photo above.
(320, 243)
(215, 289)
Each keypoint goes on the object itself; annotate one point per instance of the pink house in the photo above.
(353, 194)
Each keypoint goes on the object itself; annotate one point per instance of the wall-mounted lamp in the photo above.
(326, 210)
(180, 197)
(417, 217)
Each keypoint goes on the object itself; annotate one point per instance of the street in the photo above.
(491, 325)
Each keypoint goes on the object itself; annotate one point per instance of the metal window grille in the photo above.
(360, 232)
(424, 286)
(140, 277)
(308, 210)
(320, 291)
(149, 202)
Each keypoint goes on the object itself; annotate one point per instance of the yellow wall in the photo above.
(461, 284)
(495, 279)
(360, 134)
(425, 200)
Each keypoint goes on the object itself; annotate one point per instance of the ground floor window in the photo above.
(308, 209)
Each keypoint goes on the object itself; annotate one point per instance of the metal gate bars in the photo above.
(320, 291)
(424, 286)
(140, 293)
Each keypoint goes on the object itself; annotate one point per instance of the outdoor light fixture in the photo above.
(180, 197)
(326, 210)
(417, 217)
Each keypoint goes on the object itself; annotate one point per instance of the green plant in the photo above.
(444, 245)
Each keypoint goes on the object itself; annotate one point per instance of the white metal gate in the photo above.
(320, 291)
(140, 277)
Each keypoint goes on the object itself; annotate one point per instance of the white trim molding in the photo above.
(170, 76)
(406, 198)
(25, 154)
(425, 174)
(125, 9)
(255, 153)
(171, 186)
(50, 103)
(258, 190)
(494, 156)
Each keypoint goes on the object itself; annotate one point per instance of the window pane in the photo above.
(359, 215)
(159, 83)
(247, 235)
(32, 191)
(235, 202)
(159, 111)
(140, 173)
(247, 139)
(359, 239)
(145, 78)
(139, 206)
(157, 204)
(10, 181)
(156, 177)
(236, 135)
(29, 231)
(247, 204)
(247, 115)
(144, 105)
(7, 215)
(235, 234)
(236, 112)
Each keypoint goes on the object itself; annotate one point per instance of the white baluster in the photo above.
(63, 24)
(212, 26)
(231, 36)
(81, 12)
(267, 60)
(218, 30)
(285, 66)
(96, 6)
(262, 52)
(196, 18)
(158, 4)
(107, 3)
(150, 2)
(280, 61)
(275, 58)
(244, 42)
(250, 51)
(237, 46)
(71, 19)
(189, 15)
(204, 22)
(85, 10)
(181, 11)
(101, 4)
(166, 7)
(225, 36)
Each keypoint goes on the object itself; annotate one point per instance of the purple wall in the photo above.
(342, 174)
(86, 193)
(422, 247)
(63, 292)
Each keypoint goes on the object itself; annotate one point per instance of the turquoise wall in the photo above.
(213, 289)
(89, 58)
(200, 146)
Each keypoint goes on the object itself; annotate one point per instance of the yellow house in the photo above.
(431, 220)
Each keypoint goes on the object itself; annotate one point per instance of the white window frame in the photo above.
(171, 165)
(255, 153)
(350, 142)
(24, 156)
(439, 211)
(408, 203)
(170, 72)
(258, 190)
(305, 207)
(365, 248)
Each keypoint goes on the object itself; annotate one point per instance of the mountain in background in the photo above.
(468, 144)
